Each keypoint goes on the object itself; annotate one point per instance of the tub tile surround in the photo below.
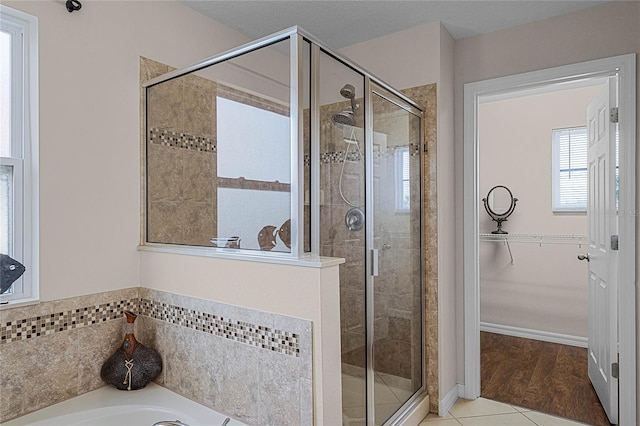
(239, 375)
(254, 366)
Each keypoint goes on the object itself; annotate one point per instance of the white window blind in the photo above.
(570, 176)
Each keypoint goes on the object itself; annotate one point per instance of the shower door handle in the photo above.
(374, 262)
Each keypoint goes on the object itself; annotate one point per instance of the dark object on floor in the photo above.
(132, 366)
(10, 271)
(542, 376)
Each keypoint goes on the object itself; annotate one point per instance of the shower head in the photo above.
(344, 118)
(348, 91)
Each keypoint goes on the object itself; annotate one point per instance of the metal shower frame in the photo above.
(298, 37)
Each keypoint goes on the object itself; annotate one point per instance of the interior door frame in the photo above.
(624, 67)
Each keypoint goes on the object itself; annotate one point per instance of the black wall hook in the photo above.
(73, 5)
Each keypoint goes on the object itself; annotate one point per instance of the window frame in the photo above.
(24, 152)
(556, 205)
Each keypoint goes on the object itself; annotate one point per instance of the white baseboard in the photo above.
(544, 336)
(448, 401)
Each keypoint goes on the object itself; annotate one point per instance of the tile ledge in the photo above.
(310, 261)
(19, 303)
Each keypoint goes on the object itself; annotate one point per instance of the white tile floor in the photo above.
(485, 412)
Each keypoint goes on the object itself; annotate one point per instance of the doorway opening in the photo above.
(623, 299)
(533, 293)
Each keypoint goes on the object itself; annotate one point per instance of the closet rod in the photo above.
(536, 238)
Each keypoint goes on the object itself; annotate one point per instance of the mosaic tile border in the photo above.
(338, 156)
(181, 140)
(27, 328)
(263, 337)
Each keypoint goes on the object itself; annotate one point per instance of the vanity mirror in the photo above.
(499, 204)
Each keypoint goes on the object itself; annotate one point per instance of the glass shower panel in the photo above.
(219, 154)
(342, 231)
(219, 169)
(397, 294)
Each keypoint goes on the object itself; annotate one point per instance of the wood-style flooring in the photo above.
(542, 376)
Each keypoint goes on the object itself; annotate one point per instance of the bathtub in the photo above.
(109, 406)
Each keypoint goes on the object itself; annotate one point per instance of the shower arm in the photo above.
(354, 105)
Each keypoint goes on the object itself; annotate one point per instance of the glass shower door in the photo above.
(396, 342)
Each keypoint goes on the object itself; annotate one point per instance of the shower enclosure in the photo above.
(283, 149)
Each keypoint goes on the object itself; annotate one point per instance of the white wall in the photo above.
(545, 289)
(90, 130)
(404, 59)
(599, 32)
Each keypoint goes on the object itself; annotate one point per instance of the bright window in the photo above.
(19, 148)
(403, 168)
(254, 145)
(570, 178)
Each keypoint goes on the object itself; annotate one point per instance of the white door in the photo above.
(602, 225)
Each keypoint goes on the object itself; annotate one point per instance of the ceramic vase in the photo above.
(133, 365)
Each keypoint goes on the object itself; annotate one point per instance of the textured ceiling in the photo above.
(340, 23)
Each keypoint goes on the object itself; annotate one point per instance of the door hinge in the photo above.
(614, 115)
(615, 370)
(614, 242)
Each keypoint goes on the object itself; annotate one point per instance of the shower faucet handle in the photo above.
(583, 257)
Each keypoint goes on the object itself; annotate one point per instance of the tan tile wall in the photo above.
(240, 376)
(426, 97)
(251, 365)
(181, 159)
(337, 241)
(181, 156)
(53, 351)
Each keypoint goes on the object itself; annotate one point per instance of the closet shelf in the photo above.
(536, 238)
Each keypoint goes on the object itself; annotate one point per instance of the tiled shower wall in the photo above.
(398, 330)
(426, 96)
(251, 365)
(181, 158)
(182, 155)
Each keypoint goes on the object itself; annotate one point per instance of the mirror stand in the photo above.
(501, 213)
